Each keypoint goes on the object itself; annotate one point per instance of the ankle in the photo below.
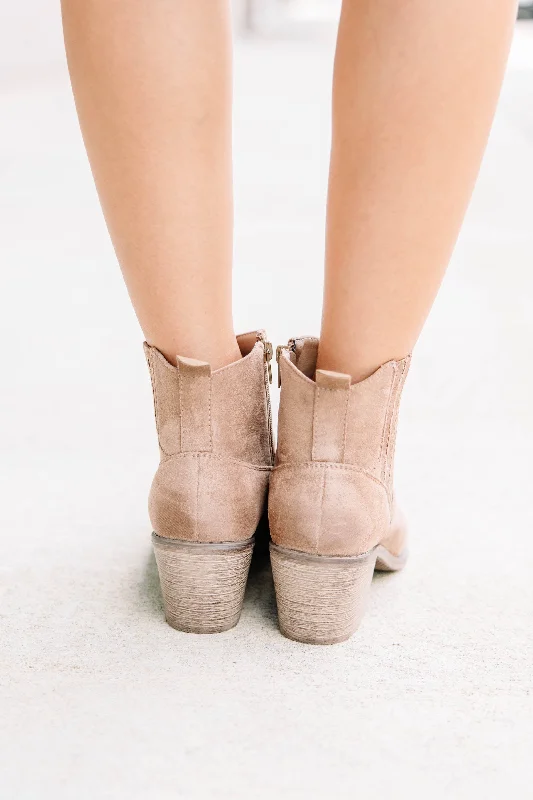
(351, 362)
(216, 351)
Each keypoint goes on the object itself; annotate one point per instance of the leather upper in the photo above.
(215, 441)
(331, 491)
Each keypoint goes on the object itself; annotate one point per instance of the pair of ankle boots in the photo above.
(331, 508)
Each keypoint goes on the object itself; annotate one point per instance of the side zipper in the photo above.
(279, 349)
(291, 347)
(268, 353)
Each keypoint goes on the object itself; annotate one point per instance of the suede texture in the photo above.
(331, 492)
(202, 497)
(215, 441)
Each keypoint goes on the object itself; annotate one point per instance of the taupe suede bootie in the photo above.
(332, 514)
(208, 495)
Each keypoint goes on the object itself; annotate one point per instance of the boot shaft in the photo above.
(225, 412)
(215, 441)
(331, 492)
(324, 418)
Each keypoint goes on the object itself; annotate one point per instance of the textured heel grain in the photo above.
(321, 599)
(202, 584)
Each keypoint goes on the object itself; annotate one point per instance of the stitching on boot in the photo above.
(394, 422)
(319, 530)
(315, 403)
(196, 524)
(329, 465)
(391, 427)
(386, 430)
(181, 406)
(394, 416)
(345, 426)
(205, 454)
(209, 413)
(154, 391)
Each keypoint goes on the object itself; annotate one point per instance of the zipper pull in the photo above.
(279, 348)
(269, 352)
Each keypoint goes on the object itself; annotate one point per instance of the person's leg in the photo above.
(415, 88)
(152, 82)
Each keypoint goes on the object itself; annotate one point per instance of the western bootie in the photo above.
(332, 514)
(209, 492)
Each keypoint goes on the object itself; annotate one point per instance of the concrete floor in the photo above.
(99, 697)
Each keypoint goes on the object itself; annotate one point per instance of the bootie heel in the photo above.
(202, 584)
(332, 511)
(209, 492)
(321, 599)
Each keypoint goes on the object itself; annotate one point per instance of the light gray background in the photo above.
(99, 698)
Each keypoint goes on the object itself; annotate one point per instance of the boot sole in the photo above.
(202, 584)
(322, 599)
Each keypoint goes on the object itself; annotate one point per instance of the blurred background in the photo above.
(89, 673)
